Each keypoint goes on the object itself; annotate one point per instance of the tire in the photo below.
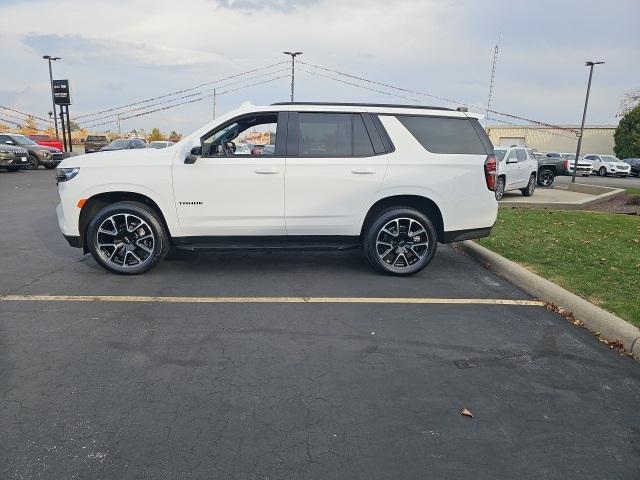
(32, 163)
(531, 186)
(602, 172)
(132, 250)
(400, 241)
(49, 167)
(546, 177)
(499, 188)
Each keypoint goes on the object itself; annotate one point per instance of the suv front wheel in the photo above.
(127, 238)
(400, 241)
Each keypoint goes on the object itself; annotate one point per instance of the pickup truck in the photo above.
(46, 141)
(548, 168)
(94, 143)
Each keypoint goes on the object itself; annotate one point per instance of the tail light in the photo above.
(566, 164)
(490, 172)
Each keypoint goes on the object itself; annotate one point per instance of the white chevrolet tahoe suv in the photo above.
(392, 179)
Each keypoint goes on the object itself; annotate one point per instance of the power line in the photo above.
(39, 124)
(26, 114)
(444, 99)
(180, 91)
(189, 101)
(357, 85)
(183, 97)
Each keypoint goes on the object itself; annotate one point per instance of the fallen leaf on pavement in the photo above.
(466, 413)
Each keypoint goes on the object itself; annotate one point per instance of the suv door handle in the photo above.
(267, 171)
(363, 171)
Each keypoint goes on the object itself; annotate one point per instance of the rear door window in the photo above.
(445, 134)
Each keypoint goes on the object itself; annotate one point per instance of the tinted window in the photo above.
(444, 135)
(248, 135)
(362, 146)
(500, 154)
(522, 155)
(513, 155)
(325, 134)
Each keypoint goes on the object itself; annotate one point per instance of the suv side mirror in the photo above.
(193, 155)
(9, 142)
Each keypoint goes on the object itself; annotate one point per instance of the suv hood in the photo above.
(121, 158)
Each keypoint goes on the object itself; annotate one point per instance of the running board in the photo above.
(282, 246)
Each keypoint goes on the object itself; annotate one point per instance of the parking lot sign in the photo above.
(61, 92)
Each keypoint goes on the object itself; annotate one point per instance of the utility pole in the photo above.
(584, 116)
(493, 76)
(214, 103)
(293, 70)
(53, 101)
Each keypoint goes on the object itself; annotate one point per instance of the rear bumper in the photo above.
(459, 235)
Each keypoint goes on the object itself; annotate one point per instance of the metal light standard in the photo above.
(53, 103)
(584, 116)
(293, 69)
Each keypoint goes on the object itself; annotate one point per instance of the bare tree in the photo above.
(629, 100)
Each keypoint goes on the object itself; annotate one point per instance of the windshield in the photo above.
(570, 156)
(158, 144)
(610, 158)
(92, 138)
(119, 144)
(22, 140)
(500, 154)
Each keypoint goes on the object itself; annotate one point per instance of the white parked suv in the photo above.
(517, 170)
(609, 165)
(392, 179)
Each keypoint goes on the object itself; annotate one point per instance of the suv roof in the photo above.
(381, 105)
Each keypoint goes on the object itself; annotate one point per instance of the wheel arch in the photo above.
(423, 204)
(100, 200)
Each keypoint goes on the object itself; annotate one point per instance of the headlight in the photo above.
(5, 151)
(46, 154)
(66, 174)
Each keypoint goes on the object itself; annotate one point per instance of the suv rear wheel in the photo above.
(400, 241)
(127, 238)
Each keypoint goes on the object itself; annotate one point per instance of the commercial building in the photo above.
(597, 138)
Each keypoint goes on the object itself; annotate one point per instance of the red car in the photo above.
(46, 141)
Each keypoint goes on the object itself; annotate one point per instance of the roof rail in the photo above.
(385, 105)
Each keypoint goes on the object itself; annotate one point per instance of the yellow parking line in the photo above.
(166, 299)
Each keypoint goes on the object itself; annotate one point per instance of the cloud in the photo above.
(147, 48)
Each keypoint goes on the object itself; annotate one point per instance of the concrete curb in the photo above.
(575, 205)
(594, 318)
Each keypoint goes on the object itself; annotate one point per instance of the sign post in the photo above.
(62, 97)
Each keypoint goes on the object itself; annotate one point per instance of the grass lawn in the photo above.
(595, 255)
(633, 191)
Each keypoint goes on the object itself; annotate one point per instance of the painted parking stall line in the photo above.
(187, 299)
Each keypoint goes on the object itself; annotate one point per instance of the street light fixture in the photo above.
(50, 59)
(584, 116)
(293, 69)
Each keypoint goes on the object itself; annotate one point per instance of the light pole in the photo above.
(584, 116)
(293, 69)
(53, 102)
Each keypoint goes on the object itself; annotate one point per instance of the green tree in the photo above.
(627, 135)
(155, 135)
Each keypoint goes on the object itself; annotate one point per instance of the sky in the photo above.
(116, 52)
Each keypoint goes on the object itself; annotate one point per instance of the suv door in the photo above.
(335, 163)
(524, 169)
(511, 169)
(224, 194)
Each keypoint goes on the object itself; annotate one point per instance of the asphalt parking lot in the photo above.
(608, 181)
(136, 387)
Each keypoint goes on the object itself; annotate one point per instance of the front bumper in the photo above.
(7, 160)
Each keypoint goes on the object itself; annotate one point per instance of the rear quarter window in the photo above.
(447, 134)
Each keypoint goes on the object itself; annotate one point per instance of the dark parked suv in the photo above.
(635, 165)
(48, 157)
(94, 143)
(12, 158)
